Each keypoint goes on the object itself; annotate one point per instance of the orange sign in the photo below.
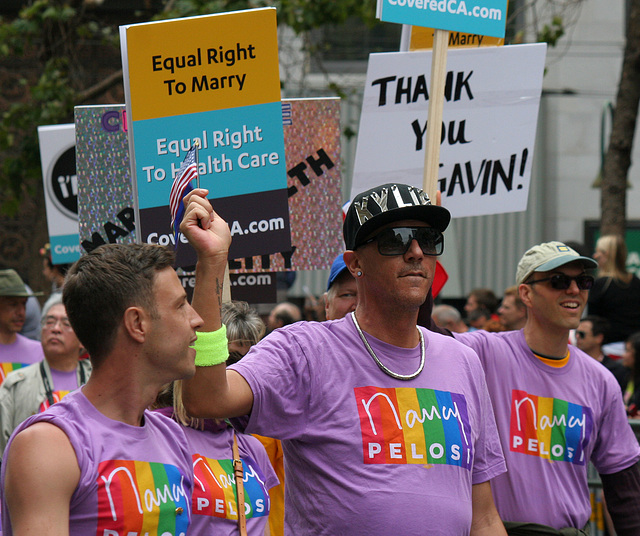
(422, 38)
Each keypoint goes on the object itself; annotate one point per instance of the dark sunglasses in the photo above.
(563, 281)
(396, 240)
(581, 334)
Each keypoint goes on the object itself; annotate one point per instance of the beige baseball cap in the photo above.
(549, 256)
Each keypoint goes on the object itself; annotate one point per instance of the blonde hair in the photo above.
(615, 264)
(180, 413)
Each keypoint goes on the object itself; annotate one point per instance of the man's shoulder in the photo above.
(26, 342)
(443, 340)
(482, 337)
(598, 373)
(20, 375)
(41, 457)
(20, 343)
(40, 432)
(164, 423)
(57, 417)
(505, 347)
(584, 359)
(23, 350)
(312, 331)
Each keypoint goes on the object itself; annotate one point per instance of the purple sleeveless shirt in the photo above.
(134, 480)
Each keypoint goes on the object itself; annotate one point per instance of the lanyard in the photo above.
(47, 385)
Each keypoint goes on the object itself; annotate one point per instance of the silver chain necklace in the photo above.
(384, 369)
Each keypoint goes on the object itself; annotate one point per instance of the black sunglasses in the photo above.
(396, 240)
(563, 281)
(581, 334)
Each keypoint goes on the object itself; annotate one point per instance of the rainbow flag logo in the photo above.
(5, 368)
(418, 426)
(550, 428)
(141, 498)
(214, 489)
(57, 396)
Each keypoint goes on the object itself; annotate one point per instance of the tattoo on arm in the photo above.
(219, 293)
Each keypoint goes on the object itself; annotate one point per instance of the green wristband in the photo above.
(211, 347)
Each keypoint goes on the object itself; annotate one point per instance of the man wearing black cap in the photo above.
(15, 350)
(557, 409)
(387, 428)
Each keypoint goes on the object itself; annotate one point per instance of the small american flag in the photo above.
(181, 187)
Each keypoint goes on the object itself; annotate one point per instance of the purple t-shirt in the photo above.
(64, 381)
(214, 505)
(131, 477)
(22, 352)
(366, 453)
(552, 422)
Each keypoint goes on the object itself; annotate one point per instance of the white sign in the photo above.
(58, 158)
(492, 96)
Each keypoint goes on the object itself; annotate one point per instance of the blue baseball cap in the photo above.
(337, 268)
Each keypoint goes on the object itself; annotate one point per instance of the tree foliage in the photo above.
(59, 40)
(46, 36)
(49, 52)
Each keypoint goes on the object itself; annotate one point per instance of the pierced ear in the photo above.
(352, 261)
(135, 323)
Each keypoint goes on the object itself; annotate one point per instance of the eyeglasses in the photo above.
(396, 240)
(580, 334)
(50, 322)
(563, 281)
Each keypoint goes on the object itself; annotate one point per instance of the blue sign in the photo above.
(481, 17)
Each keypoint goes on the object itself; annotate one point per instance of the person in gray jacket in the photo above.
(34, 388)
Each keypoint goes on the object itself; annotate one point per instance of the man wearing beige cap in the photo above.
(15, 349)
(556, 408)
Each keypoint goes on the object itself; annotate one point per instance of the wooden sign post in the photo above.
(481, 17)
(436, 105)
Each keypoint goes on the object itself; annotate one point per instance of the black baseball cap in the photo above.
(388, 203)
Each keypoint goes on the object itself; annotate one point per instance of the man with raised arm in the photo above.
(386, 427)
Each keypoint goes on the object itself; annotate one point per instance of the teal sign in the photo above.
(481, 17)
(65, 249)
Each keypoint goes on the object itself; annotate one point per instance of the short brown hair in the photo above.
(485, 298)
(104, 283)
